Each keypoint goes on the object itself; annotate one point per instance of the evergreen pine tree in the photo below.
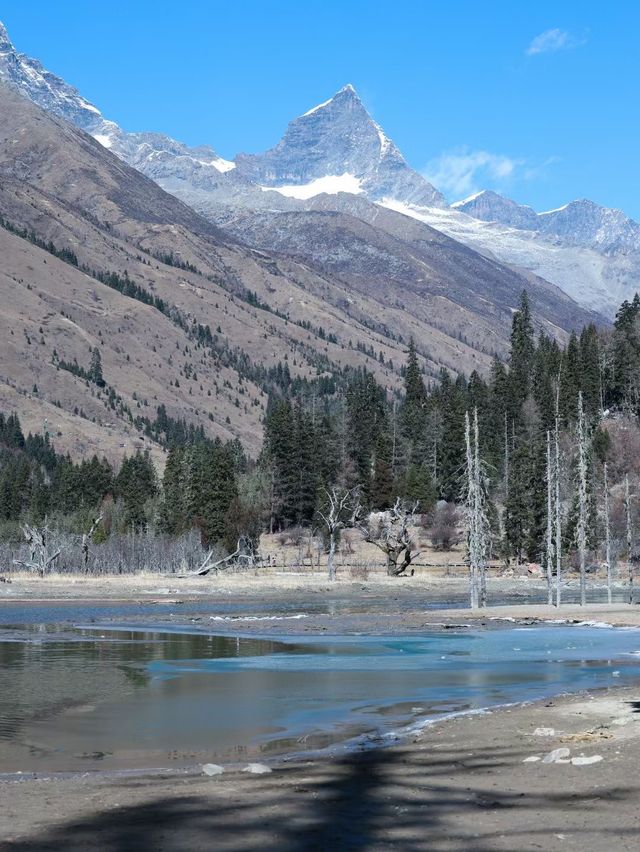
(382, 486)
(95, 368)
(414, 409)
(522, 351)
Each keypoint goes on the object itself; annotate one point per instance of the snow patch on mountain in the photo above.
(330, 184)
(594, 280)
(104, 139)
(221, 164)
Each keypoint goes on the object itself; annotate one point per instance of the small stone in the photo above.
(212, 769)
(544, 732)
(533, 759)
(556, 755)
(257, 769)
(586, 761)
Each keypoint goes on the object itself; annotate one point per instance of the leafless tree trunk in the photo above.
(472, 537)
(558, 514)
(476, 516)
(627, 506)
(607, 532)
(550, 519)
(483, 524)
(582, 499)
(86, 542)
(343, 509)
(393, 537)
(42, 549)
(208, 566)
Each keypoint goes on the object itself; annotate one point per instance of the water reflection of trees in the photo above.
(41, 677)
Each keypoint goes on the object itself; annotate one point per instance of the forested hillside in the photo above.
(356, 435)
(95, 255)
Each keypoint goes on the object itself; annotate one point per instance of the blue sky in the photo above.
(537, 100)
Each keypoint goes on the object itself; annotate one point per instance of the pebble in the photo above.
(533, 759)
(556, 755)
(544, 732)
(257, 769)
(586, 761)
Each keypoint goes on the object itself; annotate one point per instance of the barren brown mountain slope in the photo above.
(62, 187)
(406, 264)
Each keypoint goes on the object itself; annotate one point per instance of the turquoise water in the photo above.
(94, 698)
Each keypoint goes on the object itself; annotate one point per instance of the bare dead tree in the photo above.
(392, 536)
(247, 554)
(582, 499)
(607, 531)
(483, 521)
(472, 537)
(444, 526)
(477, 521)
(556, 496)
(343, 509)
(43, 550)
(87, 538)
(208, 566)
(550, 519)
(627, 507)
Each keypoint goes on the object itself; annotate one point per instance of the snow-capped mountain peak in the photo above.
(335, 138)
(44, 88)
(337, 150)
(348, 91)
(492, 207)
(579, 223)
(5, 41)
(152, 153)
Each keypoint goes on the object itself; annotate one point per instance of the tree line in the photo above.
(572, 401)
(583, 397)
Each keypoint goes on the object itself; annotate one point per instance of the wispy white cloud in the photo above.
(551, 41)
(461, 172)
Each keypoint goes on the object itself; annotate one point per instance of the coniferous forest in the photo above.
(582, 401)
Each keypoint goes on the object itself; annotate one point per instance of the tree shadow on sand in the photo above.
(405, 798)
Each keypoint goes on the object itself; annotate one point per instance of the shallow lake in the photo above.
(94, 698)
(78, 611)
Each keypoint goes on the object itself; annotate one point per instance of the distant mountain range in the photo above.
(579, 223)
(336, 148)
(302, 257)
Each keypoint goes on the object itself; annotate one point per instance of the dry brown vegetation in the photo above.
(69, 190)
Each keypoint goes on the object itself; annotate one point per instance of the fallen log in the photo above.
(207, 566)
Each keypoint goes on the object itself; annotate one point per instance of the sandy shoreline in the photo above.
(459, 784)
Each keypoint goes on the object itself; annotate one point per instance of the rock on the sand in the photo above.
(257, 769)
(533, 759)
(544, 732)
(556, 755)
(212, 769)
(585, 761)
